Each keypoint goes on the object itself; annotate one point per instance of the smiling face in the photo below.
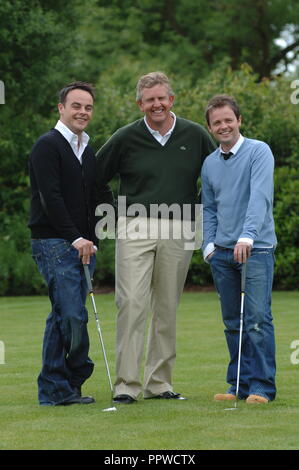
(76, 112)
(225, 126)
(156, 104)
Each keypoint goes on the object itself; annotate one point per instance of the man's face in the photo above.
(76, 112)
(224, 126)
(156, 103)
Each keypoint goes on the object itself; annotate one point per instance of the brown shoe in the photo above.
(252, 399)
(224, 397)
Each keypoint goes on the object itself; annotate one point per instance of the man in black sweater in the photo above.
(62, 221)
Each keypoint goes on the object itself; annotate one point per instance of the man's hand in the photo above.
(242, 252)
(85, 249)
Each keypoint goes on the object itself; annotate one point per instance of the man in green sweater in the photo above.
(158, 159)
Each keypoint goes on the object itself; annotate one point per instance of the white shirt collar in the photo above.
(72, 139)
(236, 147)
(161, 138)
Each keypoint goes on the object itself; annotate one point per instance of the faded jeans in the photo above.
(257, 371)
(65, 361)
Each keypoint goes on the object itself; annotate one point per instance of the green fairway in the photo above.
(195, 424)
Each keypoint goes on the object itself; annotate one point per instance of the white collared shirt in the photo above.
(236, 147)
(162, 139)
(73, 139)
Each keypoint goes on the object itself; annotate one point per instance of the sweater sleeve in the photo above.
(107, 166)
(108, 159)
(261, 191)
(45, 167)
(208, 144)
(210, 221)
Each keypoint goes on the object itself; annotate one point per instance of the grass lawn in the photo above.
(196, 424)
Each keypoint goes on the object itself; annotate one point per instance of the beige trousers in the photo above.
(150, 275)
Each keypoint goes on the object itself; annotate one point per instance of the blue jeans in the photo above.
(257, 371)
(65, 361)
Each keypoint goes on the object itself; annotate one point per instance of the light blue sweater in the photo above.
(237, 196)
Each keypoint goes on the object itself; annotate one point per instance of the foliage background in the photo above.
(206, 47)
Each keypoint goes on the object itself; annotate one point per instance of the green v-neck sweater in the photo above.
(151, 173)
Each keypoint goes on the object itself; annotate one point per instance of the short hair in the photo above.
(74, 86)
(151, 79)
(218, 101)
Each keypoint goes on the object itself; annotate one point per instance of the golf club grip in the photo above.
(243, 277)
(87, 277)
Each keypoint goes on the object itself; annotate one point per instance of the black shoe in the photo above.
(168, 395)
(77, 400)
(123, 399)
(78, 392)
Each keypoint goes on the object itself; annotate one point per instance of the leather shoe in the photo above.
(224, 397)
(123, 399)
(77, 400)
(256, 399)
(168, 395)
(78, 392)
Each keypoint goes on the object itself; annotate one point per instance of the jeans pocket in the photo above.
(38, 259)
(37, 256)
(263, 251)
(211, 256)
(59, 250)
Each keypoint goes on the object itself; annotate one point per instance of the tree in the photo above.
(200, 45)
(192, 37)
(33, 63)
(37, 57)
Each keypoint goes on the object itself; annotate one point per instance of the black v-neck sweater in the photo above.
(63, 190)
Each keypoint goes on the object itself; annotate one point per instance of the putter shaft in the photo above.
(101, 340)
(90, 289)
(243, 278)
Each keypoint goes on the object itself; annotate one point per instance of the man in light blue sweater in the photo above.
(237, 193)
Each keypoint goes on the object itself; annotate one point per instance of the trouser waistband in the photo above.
(222, 248)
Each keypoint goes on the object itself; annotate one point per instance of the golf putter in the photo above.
(90, 289)
(243, 278)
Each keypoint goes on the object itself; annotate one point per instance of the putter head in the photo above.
(231, 409)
